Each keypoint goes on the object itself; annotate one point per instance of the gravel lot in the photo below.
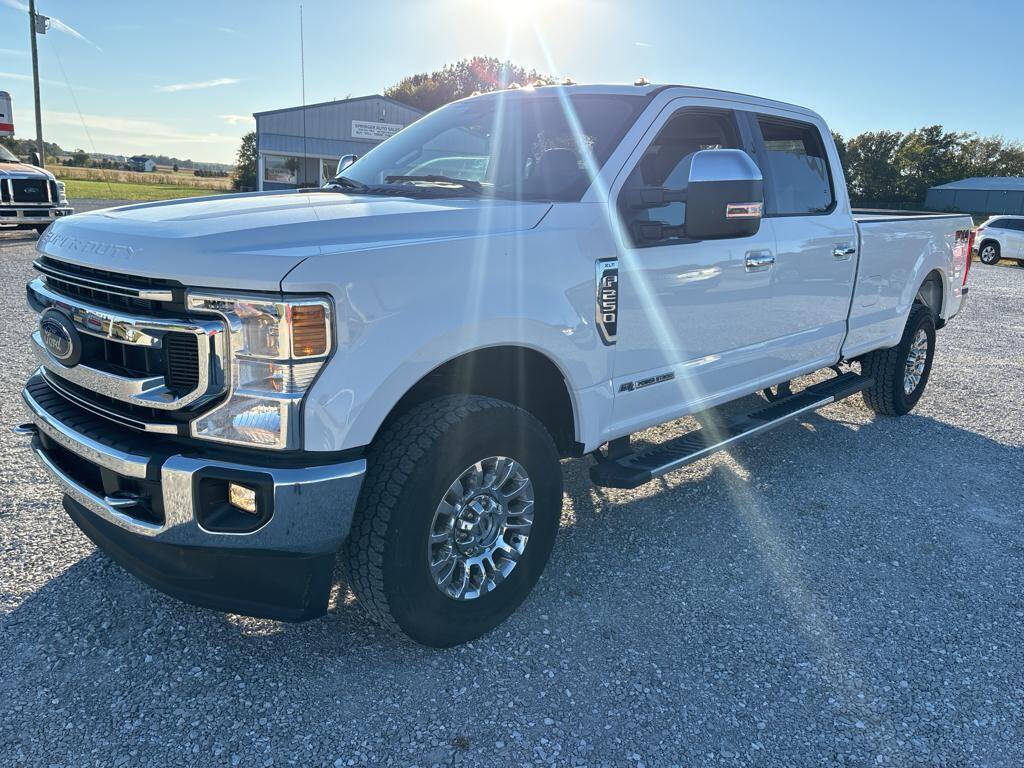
(846, 590)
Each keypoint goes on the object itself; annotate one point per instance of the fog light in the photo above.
(242, 498)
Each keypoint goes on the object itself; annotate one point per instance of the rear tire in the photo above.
(901, 373)
(413, 467)
(989, 252)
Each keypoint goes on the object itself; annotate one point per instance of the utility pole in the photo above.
(37, 25)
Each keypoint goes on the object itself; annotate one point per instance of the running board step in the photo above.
(635, 469)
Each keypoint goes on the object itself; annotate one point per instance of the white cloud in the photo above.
(131, 129)
(12, 52)
(45, 80)
(235, 119)
(229, 31)
(195, 86)
(642, 45)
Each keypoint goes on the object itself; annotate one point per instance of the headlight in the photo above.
(277, 347)
(62, 196)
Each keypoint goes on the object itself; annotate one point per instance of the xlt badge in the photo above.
(608, 299)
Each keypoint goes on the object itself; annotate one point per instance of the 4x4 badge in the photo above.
(608, 299)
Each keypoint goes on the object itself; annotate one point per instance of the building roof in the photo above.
(986, 183)
(139, 158)
(337, 101)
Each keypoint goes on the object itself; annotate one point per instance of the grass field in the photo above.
(117, 190)
(162, 176)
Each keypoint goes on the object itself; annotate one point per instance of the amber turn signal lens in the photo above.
(309, 330)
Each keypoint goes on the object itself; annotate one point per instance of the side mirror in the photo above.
(36, 160)
(345, 161)
(725, 195)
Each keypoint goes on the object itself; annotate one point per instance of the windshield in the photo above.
(6, 156)
(510, 145)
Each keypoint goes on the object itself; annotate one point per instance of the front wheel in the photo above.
(989, 253)
(456, 520)
(901, 373)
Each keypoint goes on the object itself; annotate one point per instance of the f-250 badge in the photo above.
(608, 299)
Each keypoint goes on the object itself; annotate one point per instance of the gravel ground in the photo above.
(844, 591)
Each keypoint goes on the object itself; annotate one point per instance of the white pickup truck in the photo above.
(233, 389)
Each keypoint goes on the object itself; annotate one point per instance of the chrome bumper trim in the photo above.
(94, 503)
(127, 464)
(313, 505)
(20, 216)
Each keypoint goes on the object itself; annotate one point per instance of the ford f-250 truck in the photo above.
(30, 197)
(233, 389)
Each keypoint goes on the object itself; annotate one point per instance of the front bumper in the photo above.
(280, 570)
(28, 215)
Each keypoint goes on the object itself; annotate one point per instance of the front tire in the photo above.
(479, 471)
(901, 373)
(989, 253)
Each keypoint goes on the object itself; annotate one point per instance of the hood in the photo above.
(22, 170)
(251, 241)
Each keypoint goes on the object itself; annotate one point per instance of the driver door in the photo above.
(694, 317)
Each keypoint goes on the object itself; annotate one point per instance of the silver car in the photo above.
(1001, 237)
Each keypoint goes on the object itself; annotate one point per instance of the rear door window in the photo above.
(796, 166)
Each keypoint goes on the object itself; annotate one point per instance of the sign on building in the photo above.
(364, 129)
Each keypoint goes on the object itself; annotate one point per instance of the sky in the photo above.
(184, 78)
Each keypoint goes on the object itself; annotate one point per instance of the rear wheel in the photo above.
(901, 373)
(456, 520)
(40, 228)
(989, 252)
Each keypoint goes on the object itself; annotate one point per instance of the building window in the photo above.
(280, 170)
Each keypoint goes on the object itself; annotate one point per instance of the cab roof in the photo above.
(650, 90)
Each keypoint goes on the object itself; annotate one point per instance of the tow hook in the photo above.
(28, 430)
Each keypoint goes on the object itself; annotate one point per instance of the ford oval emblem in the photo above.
(60, 337)
(32, 190)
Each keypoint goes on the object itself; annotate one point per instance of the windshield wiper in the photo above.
(347, 183)
(472, 186)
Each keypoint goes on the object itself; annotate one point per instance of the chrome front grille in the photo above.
(140, 366)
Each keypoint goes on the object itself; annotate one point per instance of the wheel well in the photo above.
(930, 294)
(517, 375)
(988, 240)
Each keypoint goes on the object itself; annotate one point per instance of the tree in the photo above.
(896, 168)
(174, 167)
(246, 164)
(429, 90)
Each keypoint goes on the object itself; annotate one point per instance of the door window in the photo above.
(796, 167)
(666, 163)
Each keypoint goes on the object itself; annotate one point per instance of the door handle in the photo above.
(843, 252)
(758, 261)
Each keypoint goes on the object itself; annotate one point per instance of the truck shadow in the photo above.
(787, 483)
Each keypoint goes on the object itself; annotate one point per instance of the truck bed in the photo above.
(890, 267)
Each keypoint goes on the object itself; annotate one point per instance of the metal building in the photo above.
(981, 195)
(300, 146)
